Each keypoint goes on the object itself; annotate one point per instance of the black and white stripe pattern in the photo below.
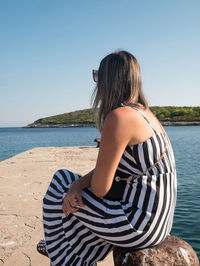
(142, 218)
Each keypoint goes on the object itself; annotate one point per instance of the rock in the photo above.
(173, 251)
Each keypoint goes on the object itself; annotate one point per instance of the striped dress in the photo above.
(142, 218)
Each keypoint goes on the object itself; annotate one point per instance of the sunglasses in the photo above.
(95, 75)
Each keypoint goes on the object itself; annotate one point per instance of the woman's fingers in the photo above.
(73, 200)
(64, 206)
(80, 201)
(67, 207)
(72, 208)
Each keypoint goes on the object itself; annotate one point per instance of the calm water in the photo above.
(186, 144)
(15, 140)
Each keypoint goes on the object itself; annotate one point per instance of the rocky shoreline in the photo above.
(41, 125)
(180, 123)
(164, 123)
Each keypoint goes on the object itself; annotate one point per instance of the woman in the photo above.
(129, 198)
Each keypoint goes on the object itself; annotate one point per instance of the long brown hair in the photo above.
(119, 82)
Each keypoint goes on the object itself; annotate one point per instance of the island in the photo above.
(168, 115)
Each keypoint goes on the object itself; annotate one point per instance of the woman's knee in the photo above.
(66, 175)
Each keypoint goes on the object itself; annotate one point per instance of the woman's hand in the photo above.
(73, 199)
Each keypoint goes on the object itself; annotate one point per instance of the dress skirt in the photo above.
(87, 236)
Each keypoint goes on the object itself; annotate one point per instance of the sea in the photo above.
(185, 142)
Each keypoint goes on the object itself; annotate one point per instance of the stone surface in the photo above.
(173, 251)
(24, 180)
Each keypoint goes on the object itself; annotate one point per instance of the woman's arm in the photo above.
(73, 199)
(115, 137)
(85, 181)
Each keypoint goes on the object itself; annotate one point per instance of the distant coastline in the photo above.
(168, 115)
(74, 125)
(51, 125)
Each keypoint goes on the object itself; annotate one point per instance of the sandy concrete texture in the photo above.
(24, 180)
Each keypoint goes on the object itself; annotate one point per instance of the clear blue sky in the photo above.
(48, 49)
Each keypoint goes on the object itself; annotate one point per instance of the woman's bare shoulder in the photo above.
(123, 123)
(123, 114)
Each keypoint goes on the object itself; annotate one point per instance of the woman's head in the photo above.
(119, 81)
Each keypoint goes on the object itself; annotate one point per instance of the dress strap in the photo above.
(148, 122)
